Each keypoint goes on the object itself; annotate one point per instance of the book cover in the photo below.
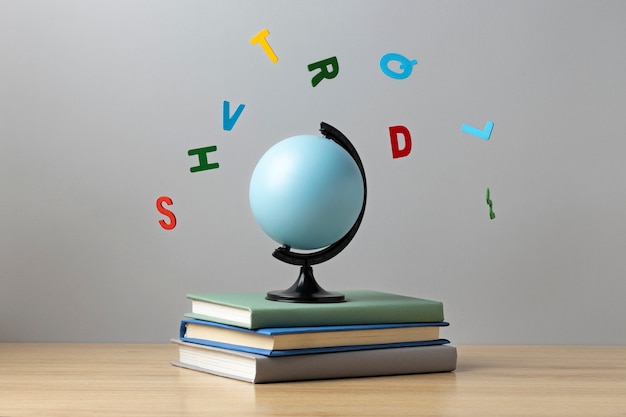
(251, 310)
(304, 340)
(361, 363)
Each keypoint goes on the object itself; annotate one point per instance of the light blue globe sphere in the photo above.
(306, 192)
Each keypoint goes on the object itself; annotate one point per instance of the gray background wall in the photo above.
(101, 100)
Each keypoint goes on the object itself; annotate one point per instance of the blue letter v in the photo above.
(228, 121)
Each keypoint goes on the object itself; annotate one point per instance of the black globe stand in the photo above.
(306, 289)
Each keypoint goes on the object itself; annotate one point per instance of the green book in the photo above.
(252, 311)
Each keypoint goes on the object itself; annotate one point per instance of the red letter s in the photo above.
(166, 212)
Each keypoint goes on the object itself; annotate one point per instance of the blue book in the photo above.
(285, 341)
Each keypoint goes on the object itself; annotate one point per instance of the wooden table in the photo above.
(137, 380)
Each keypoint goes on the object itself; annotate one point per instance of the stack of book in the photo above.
(244, 336)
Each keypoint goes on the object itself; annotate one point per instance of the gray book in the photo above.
(361, 363)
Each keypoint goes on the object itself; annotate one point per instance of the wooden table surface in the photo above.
(138, 380)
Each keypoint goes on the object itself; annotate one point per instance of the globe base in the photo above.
(305, 290)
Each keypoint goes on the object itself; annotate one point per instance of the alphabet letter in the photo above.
(204, 163)
(229, 122)
(260, 38)
(324, 71)
(166, 212)
(405, 65)
(395, 147)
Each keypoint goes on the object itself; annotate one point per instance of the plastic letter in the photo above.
(406, 65)
(260, 38)
(202, 157)
(166, 212)
(228, 121)
(396, 152)
(324, 71)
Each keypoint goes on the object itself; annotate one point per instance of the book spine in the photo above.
(395, 361)
(263, 319)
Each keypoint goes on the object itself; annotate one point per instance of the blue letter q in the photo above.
(406, 65)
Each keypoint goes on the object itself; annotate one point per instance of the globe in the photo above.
(306, 192)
